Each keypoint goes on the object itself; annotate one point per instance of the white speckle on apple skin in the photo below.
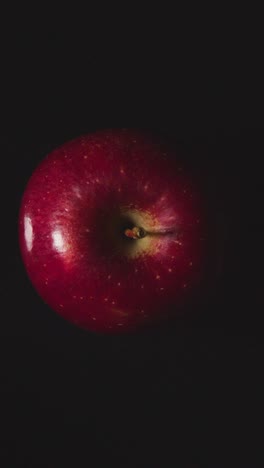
(77, 192)
(177, 242)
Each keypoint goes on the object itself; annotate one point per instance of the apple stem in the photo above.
(139, 232)
(161, 232)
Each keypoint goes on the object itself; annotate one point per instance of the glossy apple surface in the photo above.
(112, 231)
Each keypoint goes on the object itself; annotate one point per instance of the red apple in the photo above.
(112, 231)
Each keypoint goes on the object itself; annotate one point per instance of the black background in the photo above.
(188, 394)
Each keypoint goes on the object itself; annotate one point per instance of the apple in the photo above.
(112, 231)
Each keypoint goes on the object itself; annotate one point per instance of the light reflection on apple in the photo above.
(28, 233)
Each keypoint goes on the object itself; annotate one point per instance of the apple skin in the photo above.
(74, 212)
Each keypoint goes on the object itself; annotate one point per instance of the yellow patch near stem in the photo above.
(146, 245)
